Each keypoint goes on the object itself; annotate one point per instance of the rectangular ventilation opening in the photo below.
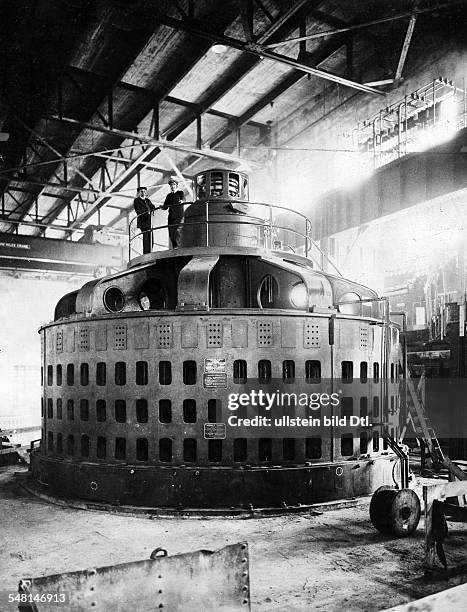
(288, 371)
(120, 373)
(214, 410)
(347, 371)
(120, 411)
(84, 446)
(59, 375)
(265, 449)
(165, 373)
(376, 372)
(84, 374)
(101, 412)
(240, 449)
(142, 449)
(240, 371)
(214, 450)
(50, 408)
(288, 449)
(165, 411)
(264, 371)
(189, 450)
(59, 409)
(347, 407)
(101, 374)
(70, 446)
(363, 443)
(346, 445)
(59, 444)
(101, 450)
(50, 375)
(120, 448)
(70, 410)
(84, 410)
(313, 448)
(189, 411)
(312, 371)
(50, 442)
(375, 441)
(364, 372)
(189, 372)
(376, 407)
(142, 410)
(141, 372)
(70, 374)
(363, 406)
(165, 450)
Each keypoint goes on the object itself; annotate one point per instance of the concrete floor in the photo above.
(332, 562)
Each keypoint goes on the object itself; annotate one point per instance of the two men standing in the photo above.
(144, 208)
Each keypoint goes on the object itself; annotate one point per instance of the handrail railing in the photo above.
(268, 238)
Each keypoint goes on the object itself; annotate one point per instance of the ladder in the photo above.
(422, 427)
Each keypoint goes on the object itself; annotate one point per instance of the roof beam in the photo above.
(263, 52)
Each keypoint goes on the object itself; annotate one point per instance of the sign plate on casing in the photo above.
(214, 431)
(215, 381)
(214, 366)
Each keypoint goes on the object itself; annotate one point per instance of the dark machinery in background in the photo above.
(138, 368)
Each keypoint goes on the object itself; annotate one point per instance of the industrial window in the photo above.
(70, 445)
(50, 375)
(59, 444)
(101, 449)
(84, 410)
(288, 449)
(189, 411)
(142, 449)
(101, 412)
(364, 372)
(240, 449)
(375, 441)
(363, 443)
(165, 373)
(240, 373)
(363, 406)
(288, 371)
(120, 411)
(165, 450)
(141, 372)
(189, 449)
(234, 185)
(312, 371)
(165, 411)
(101, 374)
(142, 410)
(376, 407)
(346, 445)
(313, 448)
(120, 448)
(264, 371)
(189, 372)
(84, 446)
(59, 375)
(50, 442)
(70, 374)
(265, 449)
(376, 371)
(50, 408)
(84, 374)
(120, 373)
(215, 450)
(347, 371)
(347, 407)
(214, 410)
(59, 409)
(70, 410)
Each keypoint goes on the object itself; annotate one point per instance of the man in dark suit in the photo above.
(174, 204)
(143, 208)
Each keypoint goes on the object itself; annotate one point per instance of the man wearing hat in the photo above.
(174, 204)
(143, 208)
